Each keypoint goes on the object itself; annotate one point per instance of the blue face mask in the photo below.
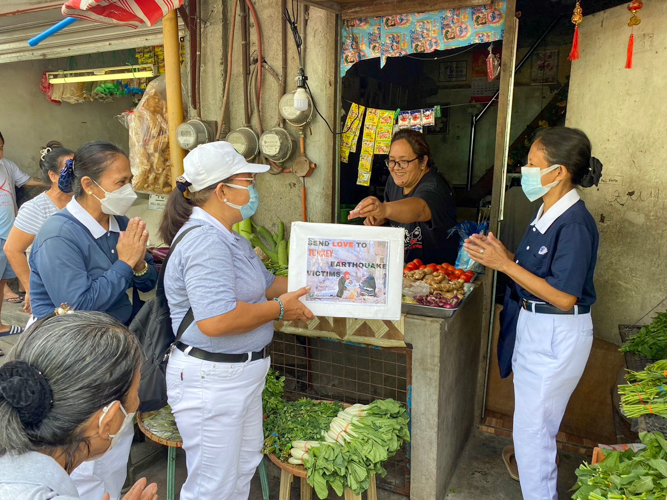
(531, 181)
(249, 209)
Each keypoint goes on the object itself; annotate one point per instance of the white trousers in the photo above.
(106, 474)
(218, 411)
(550, 355)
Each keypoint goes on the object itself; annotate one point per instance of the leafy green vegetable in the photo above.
(359, 441)
(303, 420)
(272, 397)
(646, 393)
(626, 475)
(651, 340)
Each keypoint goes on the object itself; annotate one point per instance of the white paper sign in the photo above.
(353, 271)
(157, 201)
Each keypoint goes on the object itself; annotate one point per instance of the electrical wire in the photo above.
(437, 58)
(312, 99)
(292, 22)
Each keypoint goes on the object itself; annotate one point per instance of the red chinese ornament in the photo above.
(577, 17)
(634, 7)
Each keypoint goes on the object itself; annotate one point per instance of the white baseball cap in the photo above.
(214, 162)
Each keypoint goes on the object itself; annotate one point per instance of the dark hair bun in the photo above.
(26, 390)
(592, 178)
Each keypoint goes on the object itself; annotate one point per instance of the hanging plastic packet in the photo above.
(428, 117)
(417, 128)
(492, 64)
(415, 118)
(466, 229)
(404, 119)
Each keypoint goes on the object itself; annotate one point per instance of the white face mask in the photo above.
(119, 201)
(127, 421)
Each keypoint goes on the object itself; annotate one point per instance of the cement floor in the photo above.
(480, 474)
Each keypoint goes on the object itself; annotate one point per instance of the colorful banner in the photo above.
(399, 35)
(351, 131)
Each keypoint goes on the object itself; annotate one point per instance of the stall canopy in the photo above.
(83, 37)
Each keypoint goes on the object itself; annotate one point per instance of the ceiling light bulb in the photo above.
(301, 99)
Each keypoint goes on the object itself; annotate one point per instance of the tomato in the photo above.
(441, 269)
(418, 262)
(433, 267)
(465, 278)
(457, 273)
(470, 274)
(449, 267)
(412, 266)
(406, 270)
(421, 268)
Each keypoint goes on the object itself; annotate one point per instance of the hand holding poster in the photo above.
(353, 271)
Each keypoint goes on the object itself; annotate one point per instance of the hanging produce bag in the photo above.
(149, 140)
(466, 229)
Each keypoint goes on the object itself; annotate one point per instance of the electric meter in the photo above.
(277, 145)
(292, 116)
(245, 142)
(192, 133)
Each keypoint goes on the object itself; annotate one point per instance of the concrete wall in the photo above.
(280, 196)
(621, 112)
(28, 120)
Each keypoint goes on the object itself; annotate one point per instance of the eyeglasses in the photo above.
(251, 180)
(399, 164)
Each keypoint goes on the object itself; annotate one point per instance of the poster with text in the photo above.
(342, 270)
(352, 271)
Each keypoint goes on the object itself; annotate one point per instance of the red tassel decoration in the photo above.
(577, 17)
(574, 53)
(634, 7)
(631, 49)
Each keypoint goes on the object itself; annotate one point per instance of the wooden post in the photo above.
(172, 66)
(499, 174)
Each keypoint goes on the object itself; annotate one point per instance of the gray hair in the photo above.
(89, 360)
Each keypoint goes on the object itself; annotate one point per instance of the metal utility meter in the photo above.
(277, 145)
(245, 142)
(193, 133)
(293, 116)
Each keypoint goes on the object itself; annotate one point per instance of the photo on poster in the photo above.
(349, 271)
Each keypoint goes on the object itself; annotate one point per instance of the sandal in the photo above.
(13, 330)
(510, 462)
(2, 353)
(15, 300)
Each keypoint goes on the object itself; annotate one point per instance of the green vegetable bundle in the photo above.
(651, 340)
(646, 393)
(272, 397)
(274, 246)
(626, 475)
(303, 420)
(355, 447)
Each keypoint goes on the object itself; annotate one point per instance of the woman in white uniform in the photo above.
(548, 307)
(217, 286)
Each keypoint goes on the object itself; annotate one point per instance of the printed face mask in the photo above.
(249, 209)
(531, 181)
(119, 201)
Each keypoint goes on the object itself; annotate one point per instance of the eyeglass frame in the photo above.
(387, 161)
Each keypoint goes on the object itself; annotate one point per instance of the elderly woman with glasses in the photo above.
(418, 199)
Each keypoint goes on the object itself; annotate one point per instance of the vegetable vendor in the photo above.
(547, 331)
(418, 199)
(216, 282)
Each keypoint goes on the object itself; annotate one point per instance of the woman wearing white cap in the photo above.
(217, 287)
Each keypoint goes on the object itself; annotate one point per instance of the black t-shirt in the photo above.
(428, 241)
